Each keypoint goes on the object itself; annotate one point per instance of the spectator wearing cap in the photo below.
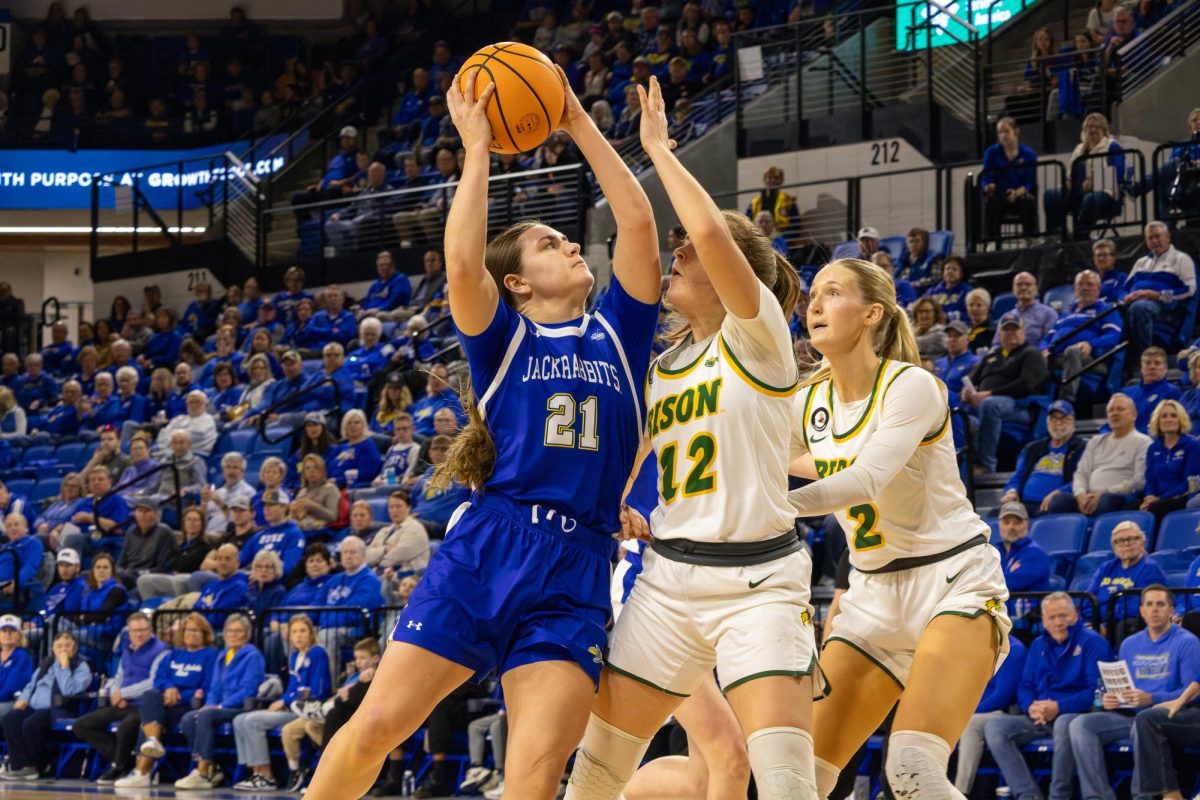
(772, 198)
(1026, 565)
(1068, 349)
(1131, 568)
(242, 523)
(1006, 376)
(339, 174)
(1047, 466)
(952, 290)
(16, 665)
(216, 500)
(1157, 287)
(1172, 461)
(107, 513)
(1037, 317)
(389, 291)
(148, 544)
(281, 535)
(1057, 685)
(280, 397)
(14, 503)
(917, 263)
(958, 361)
(141, 653)
(195, 421)
(1008, 181)
(1112, 470)
(864, 245)
(28, 549)
(1153, 387)
(1162, 659)
(66, 592)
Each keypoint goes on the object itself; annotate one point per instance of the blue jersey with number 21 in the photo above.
(564, 405)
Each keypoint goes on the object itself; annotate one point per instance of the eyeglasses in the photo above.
(1126, 540)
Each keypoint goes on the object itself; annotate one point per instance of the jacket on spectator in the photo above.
(1173, 472)
(341, 327)
(135, 670)
(952, 370)
(1042, 469)
(362, 588)
(108, 596)
(186, 670)
(1009, 174)
(309, 592)
(224, 592)
(42, 390)
(29, 553)
(62, 420)
(163, 348)
(1112, 578)
(1112, 286)
(387, 295)
(309, 670)
(1001, 691)
(15, 672)
(285, 539)
(65, 596)
(259, 598)
(52, 682)
(1026, 566)
(54, 356)
(235, 678)
(1173, 274)
(1066, 673)
(147, 551)
(1019, 373)
(1146, 396)
(363, 457)
(404, 547)
(1163, 668)
(1101, 337)
(285, 305)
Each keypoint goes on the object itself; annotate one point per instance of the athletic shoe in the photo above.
(476, 777)
(152, 748)
(194, 780)
(496, 792)
(433, 788)
(299, 778)
(217, 777)
(494, 780)
(22, 774)
(256, 783)
(109, 776)
(134, 780)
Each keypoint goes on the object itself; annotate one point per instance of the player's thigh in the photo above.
(632, 706)
(548, 703)
(955, 659)
(716, 743)
(861, 695)
(773, 701)
(409, 682)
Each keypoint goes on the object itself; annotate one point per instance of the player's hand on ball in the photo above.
(633, 525)
(653, 128)
(573, 113)
(470, 115)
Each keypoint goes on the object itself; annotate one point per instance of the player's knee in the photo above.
(605, 762)
(783, 763)
(731, 761)
(916, 767)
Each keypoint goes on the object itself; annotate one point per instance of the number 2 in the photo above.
(701, 451)
(865, 535)
(560, 425)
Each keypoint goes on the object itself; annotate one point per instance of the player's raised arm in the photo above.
(724, 263)
(473, 292)
(635, 262)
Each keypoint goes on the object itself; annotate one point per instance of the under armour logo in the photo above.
(597, 336)
(415, 625)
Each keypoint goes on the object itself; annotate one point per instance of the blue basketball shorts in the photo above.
(513, 585)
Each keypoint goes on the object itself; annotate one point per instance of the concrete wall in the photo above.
(1159, 110)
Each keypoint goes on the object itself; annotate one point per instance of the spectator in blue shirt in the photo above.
(413, 106)
(1067, 352)
(438, 394)
(1172, 462)
(1131, 569)
(1153, 388)
(280, 536)
(355, 461)
(180, 677)
(228, 587)
(133, 404)
(334, 322)
(300, 334)
(16, 665)
(958, 361)
(278, 397)
(35, 391)
(65, 418)
(433, 506)
(1174, 725)
(1026, 565)
(28, 549)
(285, 302)
(1009, 181)
(1057, 685)
(14, 503)
(59, 512)
(1157, 287)
(1046, 467)
(951, 291)
(389, 291)
(1104, 262)
(162, 350)
(998, 697)
(58, 354)
(1162, 660)
(917, 263)
(372, 356)
(232, 687)
(338, 177)
(226, 353)
(200, 317)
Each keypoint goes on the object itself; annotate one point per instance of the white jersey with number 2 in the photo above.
(886, 467)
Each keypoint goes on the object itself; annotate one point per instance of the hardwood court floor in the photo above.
(82, 790)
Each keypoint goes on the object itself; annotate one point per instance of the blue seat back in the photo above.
(40, 452)
(1178, 531)
(235, 440)
(75, 454)
(894, 245)
(1003, 303)
(43, 491)
(941, 242)
(1103, 527)
(1057, 533)
(1060, 297)
(22, 486)
(379, 510)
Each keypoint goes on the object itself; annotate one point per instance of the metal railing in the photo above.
(290, 404)
(1176, 181)
(1096, 361)
(371, 222)
(987, 215)
(1029, 623)
(1171, 37)
(1097, 196)
(1121, 617)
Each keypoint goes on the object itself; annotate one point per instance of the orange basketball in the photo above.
(528, 101)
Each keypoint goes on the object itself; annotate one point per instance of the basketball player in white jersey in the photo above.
(726, 580)
(924, 621)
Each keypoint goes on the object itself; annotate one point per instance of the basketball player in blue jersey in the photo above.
(521, 583)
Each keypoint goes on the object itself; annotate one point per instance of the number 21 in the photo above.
(560, 425)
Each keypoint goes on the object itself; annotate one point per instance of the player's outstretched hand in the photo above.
(470, 115)
(633, 525)
(573, 114)
(653, 128)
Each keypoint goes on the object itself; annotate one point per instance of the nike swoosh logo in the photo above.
(816, 439)
(954, 577)
(756, 584)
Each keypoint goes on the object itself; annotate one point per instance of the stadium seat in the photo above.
(1177, 532)
(893, 245)
(40, 452)
(1087, 566)
(379, 509)
(23, 486)
(1103, 527)
(43, 491)
(941, 242)
(237, 439)
(1002, 303)
(1063, 296)
(1175, 561)
(75, 454)
(994, 524)
(1058, 533)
